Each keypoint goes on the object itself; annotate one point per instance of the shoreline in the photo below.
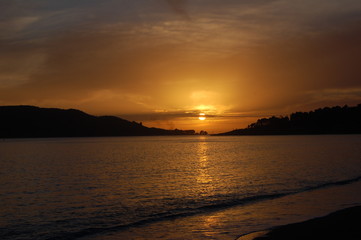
(247, 220)
(342, 224)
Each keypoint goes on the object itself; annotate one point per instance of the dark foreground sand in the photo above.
(344, 225)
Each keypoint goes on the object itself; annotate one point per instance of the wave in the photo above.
(209, 207)
(336, 183)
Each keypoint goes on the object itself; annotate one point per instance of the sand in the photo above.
(344, 224)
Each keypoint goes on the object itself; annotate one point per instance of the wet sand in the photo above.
(343, 224)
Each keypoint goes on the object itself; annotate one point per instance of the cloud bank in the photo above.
(137, 59)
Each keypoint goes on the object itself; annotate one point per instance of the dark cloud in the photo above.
(179, 7)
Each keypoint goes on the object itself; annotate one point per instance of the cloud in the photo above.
(244, 58)
(179, 7)
(78, 66)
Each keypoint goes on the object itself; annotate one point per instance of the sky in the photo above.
(163, 62)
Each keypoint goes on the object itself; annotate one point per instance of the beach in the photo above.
(342, 224)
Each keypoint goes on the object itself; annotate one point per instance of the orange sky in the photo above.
(164, 62)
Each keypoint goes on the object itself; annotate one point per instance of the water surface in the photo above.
(85, 187)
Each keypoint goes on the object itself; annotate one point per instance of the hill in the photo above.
(35, 122)
(335, 120)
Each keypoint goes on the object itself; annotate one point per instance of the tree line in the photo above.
(328, 120)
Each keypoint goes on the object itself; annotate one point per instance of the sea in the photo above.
(172, 187)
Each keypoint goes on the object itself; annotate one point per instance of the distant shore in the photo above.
(335, 120)
(343, 224)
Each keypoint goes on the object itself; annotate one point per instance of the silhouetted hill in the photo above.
(34, 122)
(335, 120)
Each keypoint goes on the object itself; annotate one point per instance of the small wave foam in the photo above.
(335, 183)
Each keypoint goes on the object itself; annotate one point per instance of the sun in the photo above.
(202, 116)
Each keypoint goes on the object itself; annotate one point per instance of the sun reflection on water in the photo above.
(203, 176)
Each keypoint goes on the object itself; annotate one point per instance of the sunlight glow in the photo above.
(202, 116)
(205, 108)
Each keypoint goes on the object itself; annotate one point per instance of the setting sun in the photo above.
(202, 116)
